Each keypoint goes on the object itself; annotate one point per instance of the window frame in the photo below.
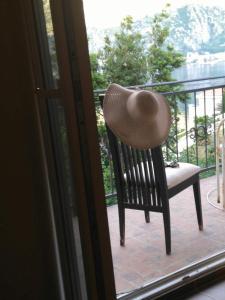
(76, 91)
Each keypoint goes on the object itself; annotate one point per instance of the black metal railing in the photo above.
(197, 106)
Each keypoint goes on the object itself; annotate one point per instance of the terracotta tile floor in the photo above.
(143, 258)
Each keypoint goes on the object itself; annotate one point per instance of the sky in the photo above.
(109, 13)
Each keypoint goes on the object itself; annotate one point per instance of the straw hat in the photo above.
(140, 118)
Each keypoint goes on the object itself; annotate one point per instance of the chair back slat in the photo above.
(115, 150)
(143, 185)
(160, 176)
(131, 191)
(152, 178)
(137, 175)
(148, 183)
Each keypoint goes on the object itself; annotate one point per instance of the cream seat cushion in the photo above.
(177, 175)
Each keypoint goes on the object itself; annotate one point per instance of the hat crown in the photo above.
(142, 104)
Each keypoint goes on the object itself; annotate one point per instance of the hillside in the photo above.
(198, 29)
(193, 28)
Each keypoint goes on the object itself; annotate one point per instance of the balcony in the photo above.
(143, 259)
(197, 107)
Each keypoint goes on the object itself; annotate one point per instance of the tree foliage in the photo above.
(124, 58)
(131, 57)
(163, 59)
(98, 78)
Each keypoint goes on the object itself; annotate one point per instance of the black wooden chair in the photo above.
(143, 183)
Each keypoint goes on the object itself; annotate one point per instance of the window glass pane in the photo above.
(71, 269)
(51, 40)
(66, 189)
(46, 43)
(134, 47)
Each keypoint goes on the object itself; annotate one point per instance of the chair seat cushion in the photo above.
(177, 175)
(174, 176)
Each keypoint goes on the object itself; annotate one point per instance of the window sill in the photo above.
(192, 278)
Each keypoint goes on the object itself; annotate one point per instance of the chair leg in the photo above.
(122, 224)
(167, 229)
(197, 195)
(147, 216)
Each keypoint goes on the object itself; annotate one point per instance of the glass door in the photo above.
(79, 213)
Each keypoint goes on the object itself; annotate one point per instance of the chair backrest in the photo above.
(139, 175)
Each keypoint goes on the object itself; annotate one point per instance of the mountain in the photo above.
(193, 28)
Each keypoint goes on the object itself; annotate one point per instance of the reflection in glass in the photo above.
(66, 189)
(51, 39)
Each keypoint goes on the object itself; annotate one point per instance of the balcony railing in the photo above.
(197, 106)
